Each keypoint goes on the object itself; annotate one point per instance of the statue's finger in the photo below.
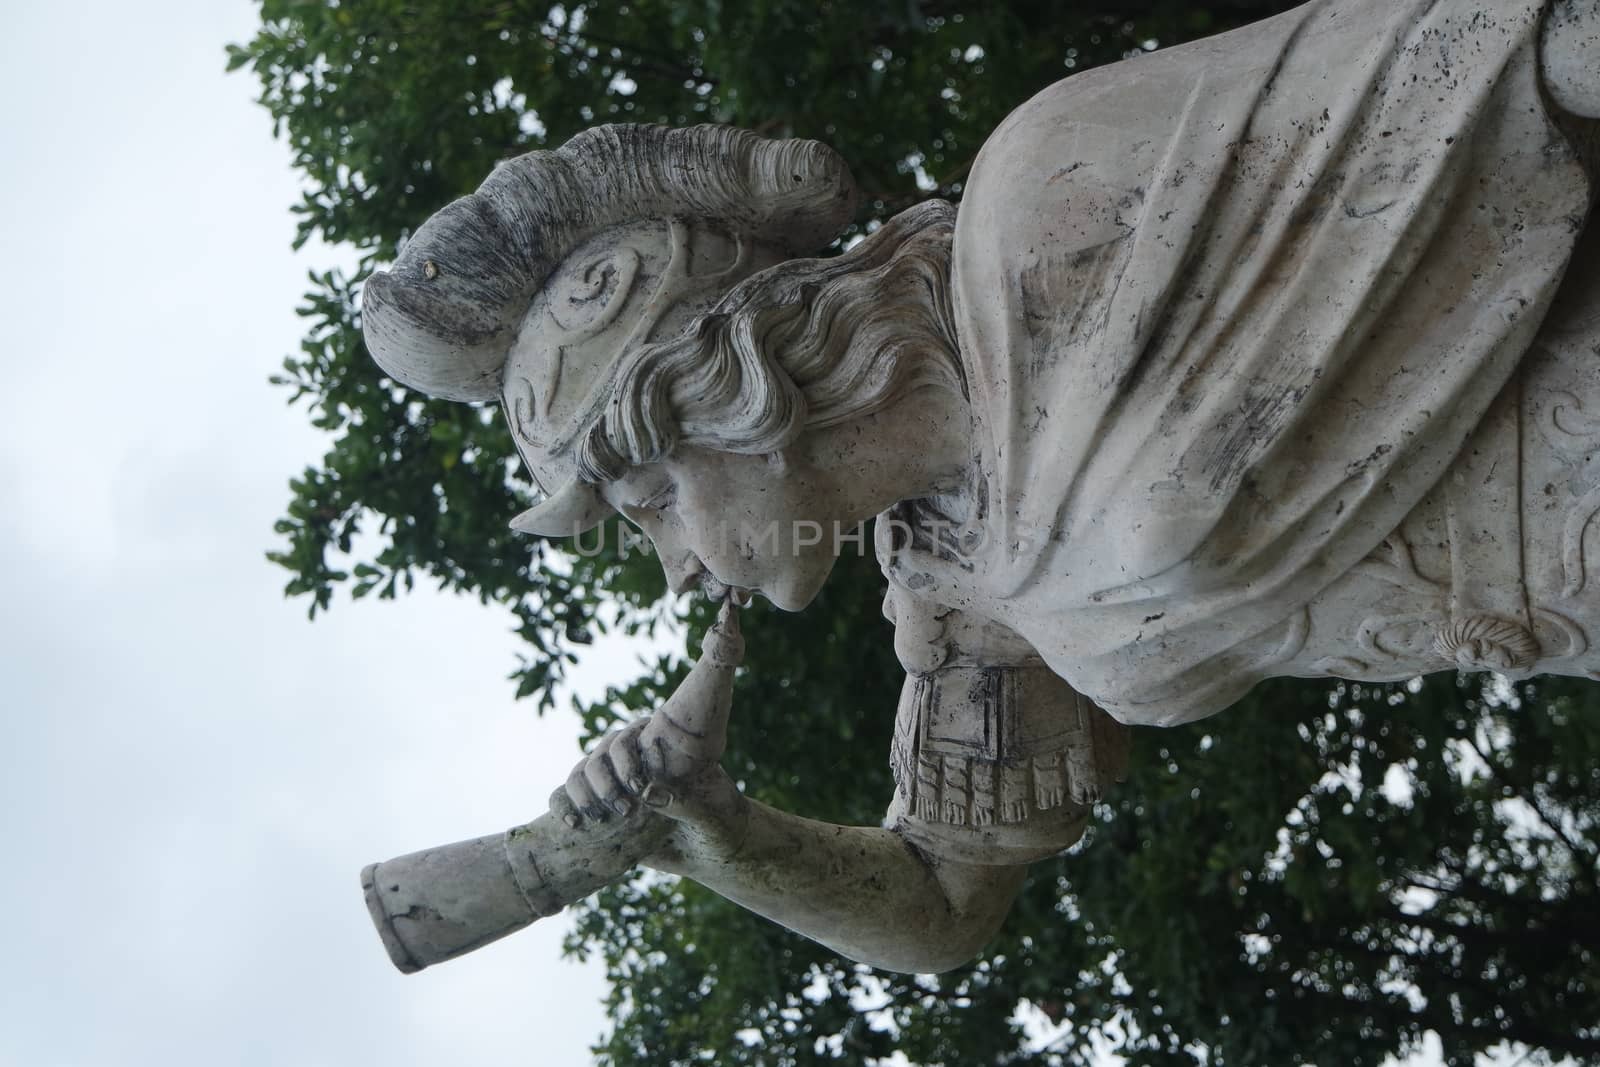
(653, 749)
(601, 775)
(582, 794)
(658, 797)
(687, 733)
(626, 761)
(562, 807)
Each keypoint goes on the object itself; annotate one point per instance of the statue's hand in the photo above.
(666, 764)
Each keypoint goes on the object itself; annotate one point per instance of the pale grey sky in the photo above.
(192, 775)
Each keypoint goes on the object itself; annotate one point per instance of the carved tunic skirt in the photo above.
(995, 758)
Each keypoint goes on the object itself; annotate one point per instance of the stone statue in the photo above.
(1277, 353)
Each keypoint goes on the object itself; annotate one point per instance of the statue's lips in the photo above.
(716, 590)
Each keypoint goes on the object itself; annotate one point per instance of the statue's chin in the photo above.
(787, 602)
(796, 594)
(787, 592)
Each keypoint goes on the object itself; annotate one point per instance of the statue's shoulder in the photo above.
(1069, 168)
(1107, 117)
(1109, 126)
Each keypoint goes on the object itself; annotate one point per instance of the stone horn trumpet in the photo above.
(434, 905)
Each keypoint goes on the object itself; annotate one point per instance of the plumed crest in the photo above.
(443, 319)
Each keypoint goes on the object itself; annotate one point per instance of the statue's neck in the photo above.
(938, 447)
(919, 448)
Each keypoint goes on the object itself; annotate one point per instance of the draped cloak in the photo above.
(1228, 312)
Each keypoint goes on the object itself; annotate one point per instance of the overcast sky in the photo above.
(192, 775)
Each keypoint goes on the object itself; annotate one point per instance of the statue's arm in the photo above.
(863, 891)
(1570, 54)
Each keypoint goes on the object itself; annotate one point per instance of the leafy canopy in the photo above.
(1320, 876)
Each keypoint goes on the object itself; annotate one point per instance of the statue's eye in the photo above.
(662, 500)
(649, 508)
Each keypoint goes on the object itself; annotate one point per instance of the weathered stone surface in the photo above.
(1273, 354)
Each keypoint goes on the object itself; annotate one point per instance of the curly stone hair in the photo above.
(805, 344)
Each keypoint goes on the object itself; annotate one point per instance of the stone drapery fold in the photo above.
(1229, 311)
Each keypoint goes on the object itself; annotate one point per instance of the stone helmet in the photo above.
(467, 313)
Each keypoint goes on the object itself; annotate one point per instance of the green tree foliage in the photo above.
(1320, 876)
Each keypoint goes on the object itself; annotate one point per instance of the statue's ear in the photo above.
(574, 509)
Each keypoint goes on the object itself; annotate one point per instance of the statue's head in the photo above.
(635, 301)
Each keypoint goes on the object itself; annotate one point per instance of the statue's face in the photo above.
(758, 492)
(768, 524)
